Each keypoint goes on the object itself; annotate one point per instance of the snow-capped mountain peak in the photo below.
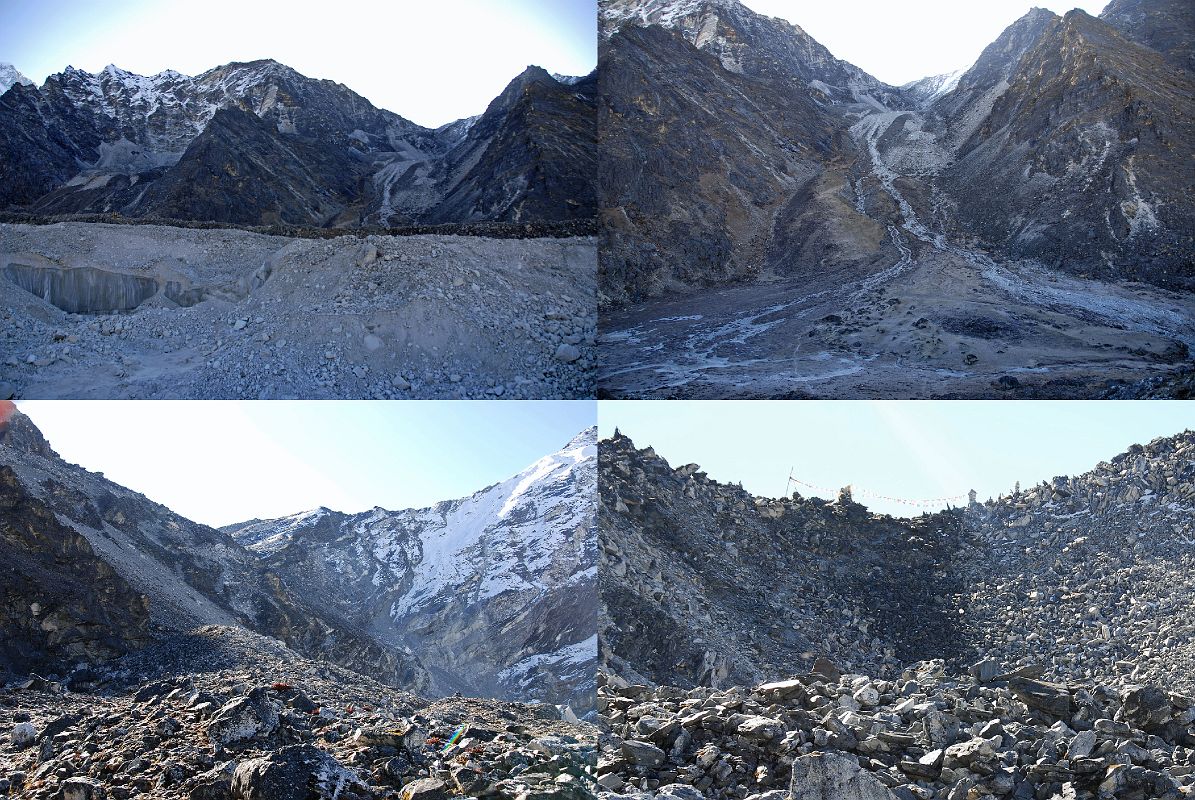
(10, 76)
(485, 578)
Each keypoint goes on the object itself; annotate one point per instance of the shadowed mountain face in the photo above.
(59, 602)
(719, 162)
(1167, 26)
(737, 148)
(257, 143)
(1085, 154)
(703, 584)
(494, 594)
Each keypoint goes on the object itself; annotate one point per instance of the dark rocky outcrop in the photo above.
(1167, 26)
(60, 604)
(704, 585)
(722, 158)
(530, 157)
(1082, 140)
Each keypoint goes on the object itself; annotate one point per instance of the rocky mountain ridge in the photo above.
(10, 75)
(122, 143)
(503, 637)
(188, 574)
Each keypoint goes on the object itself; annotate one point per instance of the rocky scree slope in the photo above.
(1092, 576)
(703, 584)
(191, 574)
(258, 143)
(221, 713)
(1086, 578)
(59, 602)
(1078, 129)
(496, 592)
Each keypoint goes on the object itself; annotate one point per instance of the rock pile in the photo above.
(221, 714)
(923, 735)
(1039, 645)
(1090, 576)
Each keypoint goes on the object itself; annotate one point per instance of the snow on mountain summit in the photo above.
(496, 590)
(10, 76)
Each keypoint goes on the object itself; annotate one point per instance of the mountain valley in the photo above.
(823, 237)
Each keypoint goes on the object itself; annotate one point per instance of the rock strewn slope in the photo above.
(924, 734)
(1092, 576)
(232, 314)
(222, 714)
(703, 584)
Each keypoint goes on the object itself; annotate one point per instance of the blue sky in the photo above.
(432, 62)
(911, 450)
(899, 42)
(222, 462)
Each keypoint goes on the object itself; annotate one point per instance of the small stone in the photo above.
(567, 353)
(642, 753)
(23, 733)
(425, 789)
(82, 789)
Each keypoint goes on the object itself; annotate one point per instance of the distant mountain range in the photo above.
(258, 144)
(735, 146)
(492, 595)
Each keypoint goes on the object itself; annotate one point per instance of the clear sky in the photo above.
(431, 62)
(222, 462)
(899, 42)
(913, 449)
